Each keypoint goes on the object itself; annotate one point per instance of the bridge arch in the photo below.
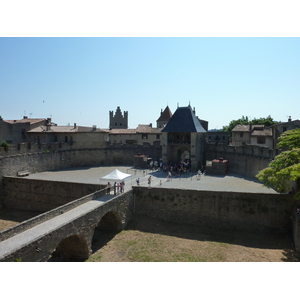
(110, 221)
(72, 248)
(109, 225)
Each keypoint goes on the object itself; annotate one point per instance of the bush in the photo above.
(4, 144)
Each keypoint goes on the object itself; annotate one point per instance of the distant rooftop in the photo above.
(25, 120)
(165, 115)
(61, 129)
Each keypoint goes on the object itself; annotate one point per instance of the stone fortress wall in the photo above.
(44, 157)
(245, 160)
(41, 195)
(243, 211)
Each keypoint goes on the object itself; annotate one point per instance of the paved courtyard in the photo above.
(229, 183)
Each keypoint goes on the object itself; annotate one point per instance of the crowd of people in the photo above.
(172, 170)
(181, 167)
(117, 187)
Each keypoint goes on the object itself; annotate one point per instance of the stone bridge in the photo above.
(66, 231)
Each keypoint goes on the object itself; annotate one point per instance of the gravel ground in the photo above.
(231, 182)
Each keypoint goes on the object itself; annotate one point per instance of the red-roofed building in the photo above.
(164, 118)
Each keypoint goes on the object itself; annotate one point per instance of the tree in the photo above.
(286, 166)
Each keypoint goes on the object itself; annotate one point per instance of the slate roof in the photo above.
(165, 116)
(184, 120)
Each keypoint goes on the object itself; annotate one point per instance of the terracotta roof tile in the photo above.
(264, 132)
(31, 121)
(241, 128)
(165, 116)
(122, 131)
(61, 129)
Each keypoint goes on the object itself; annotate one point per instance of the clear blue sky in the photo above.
(79, 80)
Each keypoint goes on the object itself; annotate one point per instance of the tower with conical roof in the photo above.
(164, 118)
(183, 139)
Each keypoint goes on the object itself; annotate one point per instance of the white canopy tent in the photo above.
(115, 175)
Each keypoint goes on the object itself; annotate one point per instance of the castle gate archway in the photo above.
(183, 154)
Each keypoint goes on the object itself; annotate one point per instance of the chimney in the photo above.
(290, 119)
(150, 124)
(49, 121)
(194, 111)
(25, 117)
(74, 125)
(94, 127)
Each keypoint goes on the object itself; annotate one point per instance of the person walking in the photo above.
(198, 174)
(115, 188)
(108, 188)
(149, 180)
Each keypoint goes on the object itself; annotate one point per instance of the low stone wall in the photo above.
(245, 211)
(41, 195)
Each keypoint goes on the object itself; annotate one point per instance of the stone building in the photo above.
(183, 139)
(217, 137)
(77, 137)
(279, 128)
(118, 120)
(141, 134)
(261, 135)
(15, 131)
(252, 135)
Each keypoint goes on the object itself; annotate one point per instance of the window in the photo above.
(144, 136)
(241, 134)
(66, 139)
(158, 136)
(261, 140)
